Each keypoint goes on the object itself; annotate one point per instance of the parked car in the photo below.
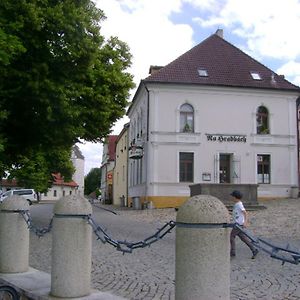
(28, 194)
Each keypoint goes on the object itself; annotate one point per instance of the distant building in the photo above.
(213, 115)
(120, 169)
(6, 185)
(78, 162)
(107, 167)
(59, 187)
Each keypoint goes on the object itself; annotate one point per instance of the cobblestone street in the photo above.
(149, 273)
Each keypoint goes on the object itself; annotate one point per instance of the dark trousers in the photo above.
(236, 232)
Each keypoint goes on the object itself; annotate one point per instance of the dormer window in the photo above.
(255, 75)
(202, 72)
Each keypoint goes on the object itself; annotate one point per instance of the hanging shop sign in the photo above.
(232, 138)
(135, 152)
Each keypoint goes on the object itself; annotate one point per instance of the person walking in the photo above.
(240, 217)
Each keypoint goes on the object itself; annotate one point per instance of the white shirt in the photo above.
(237, 213)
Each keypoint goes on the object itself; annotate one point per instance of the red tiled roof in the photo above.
(9, 183)
(59, 180)
(226, 65)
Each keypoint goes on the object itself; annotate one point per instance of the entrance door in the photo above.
(224, 168)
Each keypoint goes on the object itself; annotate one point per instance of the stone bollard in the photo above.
(202, 267)
(14, 236)
(71, 248)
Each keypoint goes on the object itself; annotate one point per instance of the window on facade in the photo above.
(186, 167)
(70, 192)
(54, 193)
(263, 168)
(186, 118)
(64, 193)
(262, 120)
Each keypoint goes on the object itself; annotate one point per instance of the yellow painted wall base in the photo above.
(162, 201)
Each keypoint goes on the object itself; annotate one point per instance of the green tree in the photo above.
(92, 181)
(61, 81)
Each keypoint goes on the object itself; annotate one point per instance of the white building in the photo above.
(60, 187)
(77, 159)
(213, 115)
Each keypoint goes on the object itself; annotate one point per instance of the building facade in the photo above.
(107, 168)
(213, 115)
(120, 170)
(59, 188)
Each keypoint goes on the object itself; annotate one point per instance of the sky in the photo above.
(158, 31)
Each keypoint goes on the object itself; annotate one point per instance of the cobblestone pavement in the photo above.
(149, 273)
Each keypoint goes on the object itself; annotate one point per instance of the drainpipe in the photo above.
(147, 141)
(298, 136)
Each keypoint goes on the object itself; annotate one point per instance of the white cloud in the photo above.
(145, 26)
(269, 26)
(291, 70)
(92, 153)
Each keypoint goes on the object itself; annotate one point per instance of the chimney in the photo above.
(219, 32)
(154, 69)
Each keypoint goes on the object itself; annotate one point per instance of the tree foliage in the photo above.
(92, 181)
(61, 81)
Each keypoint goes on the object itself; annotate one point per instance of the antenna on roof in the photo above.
(219, 32)
(273, 81)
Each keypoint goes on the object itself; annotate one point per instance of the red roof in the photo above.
(112, 147)
(9, 183)
(59, 180)
(225, 64)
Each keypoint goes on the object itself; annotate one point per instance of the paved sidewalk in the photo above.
(149, 273)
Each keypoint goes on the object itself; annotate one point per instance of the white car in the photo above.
(28, 194)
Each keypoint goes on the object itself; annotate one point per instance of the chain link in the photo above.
(128, 247)
(38, 231)
(276, 252)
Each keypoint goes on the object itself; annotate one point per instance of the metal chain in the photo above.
(287, 255)
(276, 252)
(127, 247)
(38, 231)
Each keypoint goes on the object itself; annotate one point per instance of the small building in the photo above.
(59, 188)
(120, 169)
(107, 167)
(6, 185)
(213, 115)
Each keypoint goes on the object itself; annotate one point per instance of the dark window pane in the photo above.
(186, 167)
(263, 169)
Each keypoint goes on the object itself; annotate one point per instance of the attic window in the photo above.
(202, 72)
(255, 75)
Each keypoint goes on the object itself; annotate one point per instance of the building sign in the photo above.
(136, 152)
(206, 176)
(109, 177)
(231, 138)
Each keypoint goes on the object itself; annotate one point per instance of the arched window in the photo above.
(262, 120)
(186, 118)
